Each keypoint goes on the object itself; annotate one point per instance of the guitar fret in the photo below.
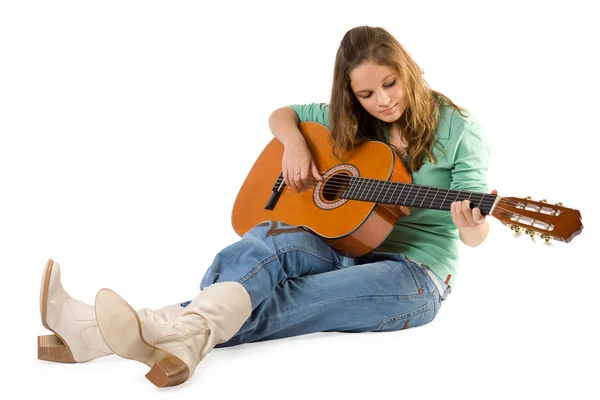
(399, 201)
(443, 201)
(359, 189)
(371, 189)
(416, 195)
(363, 189)
(487, 208)
(363, 183)
(386, 192)
(380, 186)
(348, 191)
(434, 197)
(408, 194)
(370, 182)
(420, 205)
(393, 186)
(457, 196)
(356, 184)
(394, 191)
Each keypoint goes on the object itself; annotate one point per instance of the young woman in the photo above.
(280, 281)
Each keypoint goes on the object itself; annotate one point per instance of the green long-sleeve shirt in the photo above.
(429, 236)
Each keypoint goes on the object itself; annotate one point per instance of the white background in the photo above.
(127, 128)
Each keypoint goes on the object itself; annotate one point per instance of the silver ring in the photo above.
(296, 173)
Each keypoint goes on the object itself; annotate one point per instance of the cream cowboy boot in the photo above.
(173, 349)
(76, 336)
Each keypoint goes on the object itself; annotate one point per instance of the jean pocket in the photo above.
(407, 320)
(441, 287)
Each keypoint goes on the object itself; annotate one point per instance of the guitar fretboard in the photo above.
(411, 195)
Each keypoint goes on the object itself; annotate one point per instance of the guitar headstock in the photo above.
(538, 217)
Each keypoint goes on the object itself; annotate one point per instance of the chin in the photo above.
(389, 118)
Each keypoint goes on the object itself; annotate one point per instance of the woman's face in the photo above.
(379, 91)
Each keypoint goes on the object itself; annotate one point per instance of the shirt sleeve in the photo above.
(471, 157)
(314, 112)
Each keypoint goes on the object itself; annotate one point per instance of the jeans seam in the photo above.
(404, 296)
(281, 251)
(417, 311)
(306, 250)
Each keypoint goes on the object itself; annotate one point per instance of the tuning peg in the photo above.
(543, 201)
(547, 239)
(531, 234)
(516, 229)
(559, 204)
(528, 197)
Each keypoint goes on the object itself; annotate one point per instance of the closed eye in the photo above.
(386, 85)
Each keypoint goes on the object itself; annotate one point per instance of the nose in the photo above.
(383, 99)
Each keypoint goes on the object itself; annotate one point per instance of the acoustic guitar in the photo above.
(359, 200)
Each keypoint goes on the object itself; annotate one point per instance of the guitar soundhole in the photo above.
(335, 186)
(328, 192)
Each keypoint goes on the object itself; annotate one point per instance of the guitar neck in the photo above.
(419, 196)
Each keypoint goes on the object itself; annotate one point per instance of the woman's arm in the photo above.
(297, 166)
(283, 123)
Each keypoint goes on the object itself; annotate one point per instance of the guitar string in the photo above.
(334, 184)
(380, 186)
(333, 189)
(343, 180)
(486, 202)
(431, 199)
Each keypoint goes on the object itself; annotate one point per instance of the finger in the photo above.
(303, 178)
(292, 180)
(467, 212)
(284, 174)
(457, 216)
(297, 177)
(494, 191)
(315, 172)
(477, 216)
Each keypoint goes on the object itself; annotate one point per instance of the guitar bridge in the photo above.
(275, 193)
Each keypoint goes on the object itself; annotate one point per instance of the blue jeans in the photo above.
(298, 285)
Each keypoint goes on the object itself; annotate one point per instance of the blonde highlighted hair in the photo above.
(352, 125)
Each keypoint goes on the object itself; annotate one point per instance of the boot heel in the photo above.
(170, 371)
(52, 348)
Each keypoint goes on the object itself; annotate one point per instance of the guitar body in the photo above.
(353, 228)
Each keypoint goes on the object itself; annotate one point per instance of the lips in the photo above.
(388, 110)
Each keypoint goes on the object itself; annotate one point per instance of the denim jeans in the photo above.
(299, 285)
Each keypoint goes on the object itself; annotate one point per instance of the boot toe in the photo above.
(121, 329)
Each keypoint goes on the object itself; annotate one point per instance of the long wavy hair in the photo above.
(352, 125)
